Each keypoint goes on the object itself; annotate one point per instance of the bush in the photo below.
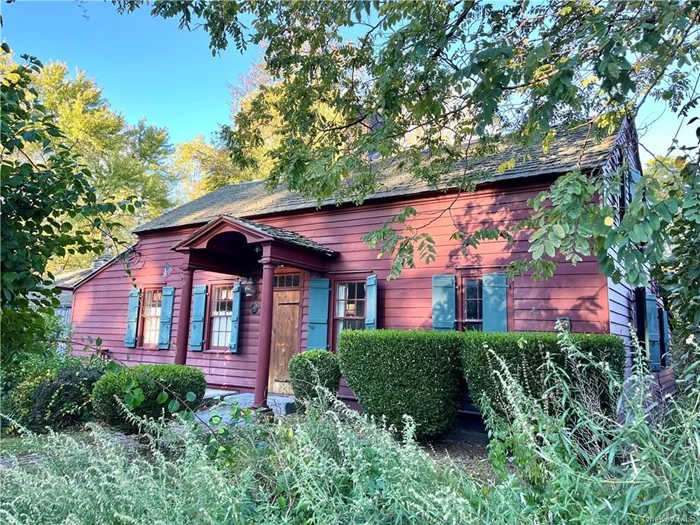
(312, 369)
(397, 372)
(54, 392)
(152, 380)
(64, 400)
(337, 466)
(525, 353)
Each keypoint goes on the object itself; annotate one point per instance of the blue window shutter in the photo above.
(235, 318)
(132, 318)
(199, 312)
(665, 337)
(495, 291)
(319, 294)
(166, 317)
(444, 299)
(371, 303)
(653, 337)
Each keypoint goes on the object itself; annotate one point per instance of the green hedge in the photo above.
(397, 372)
(524, 353)
(176, 380)
(312, 368)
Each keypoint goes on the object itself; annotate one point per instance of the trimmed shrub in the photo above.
(175, 380)
(311, 369)
(398, 372)
(525, 352)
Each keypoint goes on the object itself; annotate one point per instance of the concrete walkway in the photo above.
(280, 405)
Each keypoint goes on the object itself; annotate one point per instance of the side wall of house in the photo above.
(621, 302)
(579, 292)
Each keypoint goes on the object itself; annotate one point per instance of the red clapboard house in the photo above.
(240, 280)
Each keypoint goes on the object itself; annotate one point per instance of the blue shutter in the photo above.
(319, 294)
(653, 337)
(371, 303)
(665, 337)
(199, 310)
(495, 290)
(132, 318)
(444, 298)
(235, 318)
(166, 317)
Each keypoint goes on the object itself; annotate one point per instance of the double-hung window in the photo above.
(349, 312)
(220, 317)
(473, 303)
(150, 316)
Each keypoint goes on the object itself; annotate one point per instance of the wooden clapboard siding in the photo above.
(578, 292)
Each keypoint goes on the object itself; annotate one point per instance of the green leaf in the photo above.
(162, 397)
(173, 406)
(191, 397)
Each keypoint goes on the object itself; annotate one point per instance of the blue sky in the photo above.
(146, 66)
(149, 68)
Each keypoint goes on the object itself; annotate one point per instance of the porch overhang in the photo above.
(209, 247)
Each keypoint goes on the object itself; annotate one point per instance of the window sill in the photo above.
(217, 351)
(149, 347)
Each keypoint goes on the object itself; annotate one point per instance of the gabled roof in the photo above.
(67, 279)
(569, 151)
(259, 232)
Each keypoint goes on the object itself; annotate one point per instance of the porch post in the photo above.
(183, 325)
(262, 371)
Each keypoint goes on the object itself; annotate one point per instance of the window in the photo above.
(150, 316)
(350, 306)
(221, 315)
(288, 280)
(473, 304)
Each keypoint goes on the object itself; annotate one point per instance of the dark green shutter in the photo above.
(235, 318)
(444, 300)
(653, 337)
(371, 303)
(665, 338)
(199, 312)
(495, 291)
(319, 294)
(166, 317)
(132, 318)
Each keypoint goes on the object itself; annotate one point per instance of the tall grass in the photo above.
(574, 464)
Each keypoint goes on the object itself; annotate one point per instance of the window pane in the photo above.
(295, 281)
(473, 288)
(360, 290)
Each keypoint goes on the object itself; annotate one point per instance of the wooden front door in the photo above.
(285, 339)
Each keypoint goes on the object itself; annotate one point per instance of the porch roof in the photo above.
(255, 232)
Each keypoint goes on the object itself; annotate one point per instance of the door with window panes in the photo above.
(285, 330)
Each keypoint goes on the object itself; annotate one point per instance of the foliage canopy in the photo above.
(362, 83)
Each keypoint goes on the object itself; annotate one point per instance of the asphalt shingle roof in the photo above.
(69, 278)
(569, 151)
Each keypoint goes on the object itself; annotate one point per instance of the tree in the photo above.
(203, 167)
(49, 208)
(123, 159)
(445, 72)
